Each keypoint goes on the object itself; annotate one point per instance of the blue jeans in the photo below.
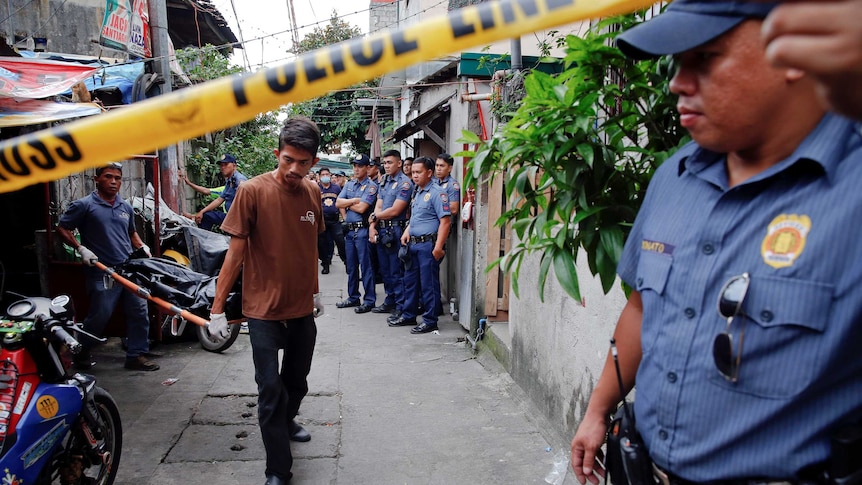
(391, 269)
(102, 303)
(359, 258)
(280, 390)
(212, 218)
(425, 271)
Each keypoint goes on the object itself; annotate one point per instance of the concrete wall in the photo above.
(559, 346)
(69, 26)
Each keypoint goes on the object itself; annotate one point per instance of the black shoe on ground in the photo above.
(297, 432)
(395, 316)
(325, 269)
(363, 308)
(140, 363)
(275, 480)
(423, 328)
(402, 322)
(83, 360)
(347, 304)
(384, 308)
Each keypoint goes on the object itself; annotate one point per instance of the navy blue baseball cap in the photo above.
(687, 24)
(227, 158)
(361, 160)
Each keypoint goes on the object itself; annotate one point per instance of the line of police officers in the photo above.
(406, 222)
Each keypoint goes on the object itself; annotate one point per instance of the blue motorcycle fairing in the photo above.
(51, 412)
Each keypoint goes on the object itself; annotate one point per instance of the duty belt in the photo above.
(352, 226)
(390, 223)
(422, 239)
(665, 478)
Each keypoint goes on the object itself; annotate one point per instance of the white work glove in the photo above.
(88, 257)
(318, 306)
(147, 251)
(217, 325)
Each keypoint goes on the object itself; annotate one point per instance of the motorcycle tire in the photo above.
(214, 343)
(109, 439)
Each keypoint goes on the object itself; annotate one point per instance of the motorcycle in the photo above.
(55, 428)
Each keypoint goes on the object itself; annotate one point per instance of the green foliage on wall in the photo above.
(577, 154)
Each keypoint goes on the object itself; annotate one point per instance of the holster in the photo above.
(627, 459)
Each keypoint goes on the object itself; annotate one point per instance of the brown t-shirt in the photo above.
(279, 276)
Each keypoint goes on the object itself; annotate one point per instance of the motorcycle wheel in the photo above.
(214, 343)
(94, 465)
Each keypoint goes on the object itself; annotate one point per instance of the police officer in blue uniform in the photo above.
(760, 214)
(209, 217)
(358, 198)
(333, 236)
(443, 178)
(387, 226)
(426, 233)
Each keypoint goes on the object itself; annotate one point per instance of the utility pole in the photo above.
(161, 65)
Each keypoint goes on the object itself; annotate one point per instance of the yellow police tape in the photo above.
(158, 122)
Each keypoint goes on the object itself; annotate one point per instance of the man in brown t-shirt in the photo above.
(274, 223)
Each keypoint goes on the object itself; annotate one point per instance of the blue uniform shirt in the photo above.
(429, 206)
(230, 186)
(327, 198)
(104, 228)
(451, 187)
(396, 188)
(796, 229)
(365, 190)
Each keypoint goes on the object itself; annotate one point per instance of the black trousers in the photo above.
(280, 390)
(331, 238)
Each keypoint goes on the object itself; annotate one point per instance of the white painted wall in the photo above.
(559, 346)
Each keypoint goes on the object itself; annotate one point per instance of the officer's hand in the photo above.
(438, 254)
(318, 306)
(218, 325)
(405, 238)
(88, 257)
(372, 234)
(586, 447)
(198, 217)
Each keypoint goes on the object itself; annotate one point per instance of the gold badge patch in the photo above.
(785, 240)
(427, 197)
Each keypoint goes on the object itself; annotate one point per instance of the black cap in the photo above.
(361, 160)
(687, 24)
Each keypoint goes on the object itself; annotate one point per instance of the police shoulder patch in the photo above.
(405, 186)
(456, 186)
(444, 198)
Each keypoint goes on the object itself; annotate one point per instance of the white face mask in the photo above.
(325, 179)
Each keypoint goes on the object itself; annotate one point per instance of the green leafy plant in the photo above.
(577, 154)
(251, 142)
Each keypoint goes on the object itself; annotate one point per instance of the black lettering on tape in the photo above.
(402, 45)
(43, 161)
(74, 153)
(528, 7)
(336, 55)
(19, 167)
(238, 85)
(363, 58)
(555, 4)
(282, 79)
(486, 18)
(312, 72)
(459, 27)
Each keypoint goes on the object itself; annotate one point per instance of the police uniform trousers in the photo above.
(359, 258)
(391, 268)
(424, 273)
